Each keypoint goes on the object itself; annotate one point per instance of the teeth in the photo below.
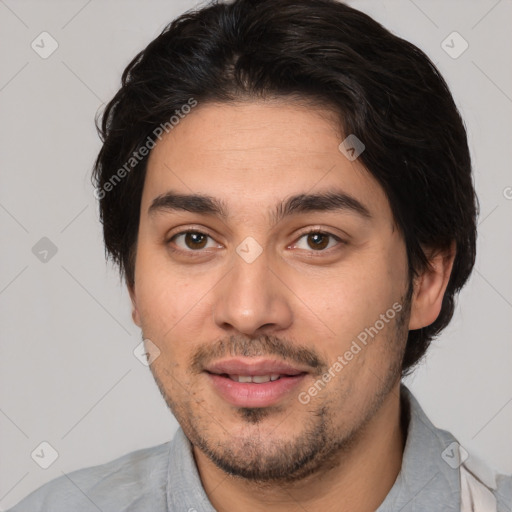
(258, 379)
(261, 378)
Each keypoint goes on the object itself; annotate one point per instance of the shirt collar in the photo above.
(185, 491)
(429, 477)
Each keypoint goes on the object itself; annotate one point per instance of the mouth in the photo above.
(249, 383)
(256, 379)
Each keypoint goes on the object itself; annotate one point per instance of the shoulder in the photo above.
(432, 451)
(130, 480)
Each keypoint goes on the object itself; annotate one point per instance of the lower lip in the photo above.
(250, 394)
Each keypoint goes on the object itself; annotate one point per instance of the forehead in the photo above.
(253, 153)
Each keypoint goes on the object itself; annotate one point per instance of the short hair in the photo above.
(383, 89)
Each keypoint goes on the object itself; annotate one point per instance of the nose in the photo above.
(252, 299)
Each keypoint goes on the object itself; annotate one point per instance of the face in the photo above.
(250, 283)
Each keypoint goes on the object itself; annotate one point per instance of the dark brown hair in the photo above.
(385, 90)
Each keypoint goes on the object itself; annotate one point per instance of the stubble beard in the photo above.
(322, 445)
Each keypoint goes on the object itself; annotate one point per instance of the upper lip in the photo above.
(252, 367)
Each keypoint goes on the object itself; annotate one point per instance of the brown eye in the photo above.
(192, 240)
(318, 240)
(195, 240)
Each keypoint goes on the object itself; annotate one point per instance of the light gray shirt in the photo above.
(165, 478)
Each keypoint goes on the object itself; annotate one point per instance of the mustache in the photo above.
(262, 346)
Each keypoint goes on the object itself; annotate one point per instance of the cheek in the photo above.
(160, 297)
(169, 310)
(173, 307)
(353, 298)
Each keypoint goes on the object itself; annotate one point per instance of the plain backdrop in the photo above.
(68, 375)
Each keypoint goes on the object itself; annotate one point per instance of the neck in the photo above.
(357, 480)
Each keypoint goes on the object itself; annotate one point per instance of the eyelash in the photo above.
(199, 252)
(323, 233)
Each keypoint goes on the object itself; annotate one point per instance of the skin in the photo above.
(343, 449)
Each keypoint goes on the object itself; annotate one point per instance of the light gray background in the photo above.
(67, 372)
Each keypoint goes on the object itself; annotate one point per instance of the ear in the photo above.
(135, 311)
(430, 286)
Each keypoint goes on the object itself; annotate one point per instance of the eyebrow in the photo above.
(336, 201)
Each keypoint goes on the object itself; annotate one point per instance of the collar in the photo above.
(429, 477)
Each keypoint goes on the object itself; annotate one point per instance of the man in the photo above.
(286, 187)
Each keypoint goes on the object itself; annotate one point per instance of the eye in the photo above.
(192, 240)
(195, 241)
(318, 241)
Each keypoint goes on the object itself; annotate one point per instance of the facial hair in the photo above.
(321, 443)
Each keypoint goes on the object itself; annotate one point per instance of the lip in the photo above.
(251, 394)
(254, 366)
